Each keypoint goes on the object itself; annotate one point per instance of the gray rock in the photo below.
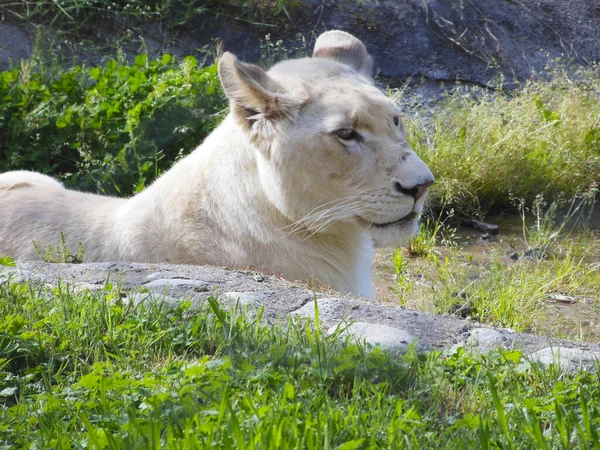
(15, 45)
(139, 298)
(244, 298)
(568, 358)
(432, 42)
(385, 325)
(18, 274)
(327, 309)
(437, 40)
(388, 338)
(485, 339)
(561, 298)
(167, 285)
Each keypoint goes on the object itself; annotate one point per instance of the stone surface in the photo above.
(379, 324)
(568, 358)
(386, 337)
(485, 339)
(15, 45)
(429, 41)
(15, 274)
(475, 41)
(168, 285)
(138, 298)
(244, 298)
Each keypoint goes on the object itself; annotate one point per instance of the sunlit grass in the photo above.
(509, 282)
(84, 369)
(486, 150)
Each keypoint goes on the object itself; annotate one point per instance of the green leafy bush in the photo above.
(111, 129)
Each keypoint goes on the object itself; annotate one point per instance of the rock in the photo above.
(485, 339)
(83, 286)
(439, 40)
(482, 226)
(569, 359)
(534, 253)
(386, 337)
(432, 42)
(462, 310)
(562, 298)
(138, 298)
(14, 45)
(380, 324)
(531, 253)
(326, 307)
(244, 298)
(167, 285)
(20, 274)
(514, 256)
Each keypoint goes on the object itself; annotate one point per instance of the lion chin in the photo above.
(396, 235)
(307, 148)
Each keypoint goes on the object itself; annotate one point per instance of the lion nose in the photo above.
(415, 191)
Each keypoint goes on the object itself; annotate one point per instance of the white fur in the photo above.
(273, 188)
(25, 176)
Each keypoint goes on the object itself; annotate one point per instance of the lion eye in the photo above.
(348, 134)
(396, 120)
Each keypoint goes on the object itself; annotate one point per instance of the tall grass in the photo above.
(511, 282)
(487, 150)
(87, 369)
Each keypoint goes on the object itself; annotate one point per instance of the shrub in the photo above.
(110, 129)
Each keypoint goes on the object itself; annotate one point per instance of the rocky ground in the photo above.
(392, 328)
(432, 41)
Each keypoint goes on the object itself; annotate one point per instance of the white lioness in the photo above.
(310, 167)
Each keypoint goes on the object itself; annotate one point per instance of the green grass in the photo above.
(488, 149)
(445, 271)
(83, 369)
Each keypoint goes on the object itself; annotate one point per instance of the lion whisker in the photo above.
(316, 213)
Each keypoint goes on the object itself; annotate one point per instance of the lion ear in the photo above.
(346, 49)
(254, 95)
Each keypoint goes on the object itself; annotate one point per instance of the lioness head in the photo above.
(331, 148)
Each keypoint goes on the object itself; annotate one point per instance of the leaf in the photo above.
(166, 58)
(61, 122)
(95, 73)
(592, 139)
(469, 421)
(7, 261)
(351, 445)
(123, 72)
(111, 65)
(213, 364)
(288, 391)
(89, 381)
(190, 60)
(194, 370)
(513, 356)
(141, 60)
